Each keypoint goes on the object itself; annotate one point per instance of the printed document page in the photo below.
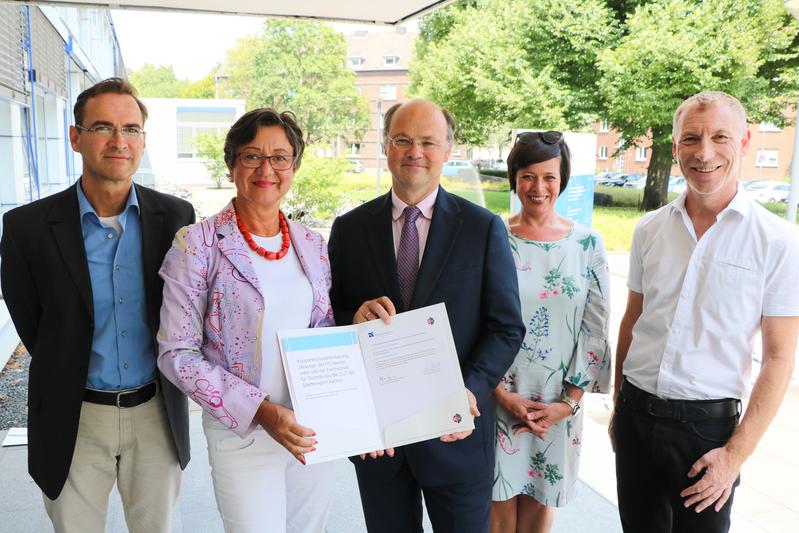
(373, 386)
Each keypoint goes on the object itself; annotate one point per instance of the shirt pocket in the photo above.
(732, 293)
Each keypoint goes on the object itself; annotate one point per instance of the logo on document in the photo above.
(430, 321)
(456, 417)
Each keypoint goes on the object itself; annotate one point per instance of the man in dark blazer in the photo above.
(80, 278)
(463, 259)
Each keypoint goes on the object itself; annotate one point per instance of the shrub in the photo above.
(316, 193)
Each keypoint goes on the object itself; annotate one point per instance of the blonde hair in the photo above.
(704, 99)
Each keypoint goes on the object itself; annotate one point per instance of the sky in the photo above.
(192, 43)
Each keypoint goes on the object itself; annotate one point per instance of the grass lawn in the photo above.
(616, 225)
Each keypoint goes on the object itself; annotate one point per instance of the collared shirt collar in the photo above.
(86, 207)
(739, 203)
(425, 206)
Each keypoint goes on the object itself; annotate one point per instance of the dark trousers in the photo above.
(653, 456)
(394, 505)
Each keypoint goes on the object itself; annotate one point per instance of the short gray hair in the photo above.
(393, 109)
(703, 99)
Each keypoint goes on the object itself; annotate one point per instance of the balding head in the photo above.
(417, 140)
(423, 105)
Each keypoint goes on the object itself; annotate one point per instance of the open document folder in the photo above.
(373, 386)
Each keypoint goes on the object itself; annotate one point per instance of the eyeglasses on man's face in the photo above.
(405, 143)
(255, 160)
(131, 133)
(549, 137)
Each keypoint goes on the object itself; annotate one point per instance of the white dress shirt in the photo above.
(422, 223)
(703, 300)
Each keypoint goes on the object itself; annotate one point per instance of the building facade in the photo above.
(380, 60)
(769, 157)
(174, 126)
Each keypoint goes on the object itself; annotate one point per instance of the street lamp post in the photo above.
(379, 130)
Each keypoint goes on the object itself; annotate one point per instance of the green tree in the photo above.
(202, 88)
(300, 66)
(156, 81)
(675, 48)
(210, 149)
(563, 64)
(316, 192)
(500, 64)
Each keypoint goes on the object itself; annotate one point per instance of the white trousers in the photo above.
(132, 447)
(261, 488)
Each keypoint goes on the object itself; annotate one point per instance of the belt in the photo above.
(123, 398)
(680, 410)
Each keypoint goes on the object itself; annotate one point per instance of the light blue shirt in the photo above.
(123, 354)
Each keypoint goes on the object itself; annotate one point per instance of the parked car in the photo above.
(768, 191)
(603, 177)
(635, 181)
(677, 184)
(355, 166)
(619, 180)
(458, 168)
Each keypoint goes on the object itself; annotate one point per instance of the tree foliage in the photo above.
(676, 48)
(300, 66)
(156, 81)
(210, 150)
(501, 64)
(316, 192)
(202, 88)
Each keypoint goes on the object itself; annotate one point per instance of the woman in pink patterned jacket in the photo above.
(230, 282)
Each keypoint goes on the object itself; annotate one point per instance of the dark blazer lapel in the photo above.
(64, 220)
(444, 230)
(152, 221)
(381, 247)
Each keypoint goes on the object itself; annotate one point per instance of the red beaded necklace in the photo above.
(260, 250)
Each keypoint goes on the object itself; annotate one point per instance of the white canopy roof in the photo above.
(374, 11)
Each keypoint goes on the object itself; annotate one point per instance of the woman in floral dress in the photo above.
(563, 284)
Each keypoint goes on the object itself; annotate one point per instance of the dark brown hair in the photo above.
(535, 150)
(112, 86)
(246, 128)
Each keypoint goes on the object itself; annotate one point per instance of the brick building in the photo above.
(769, 156)
(380, 60)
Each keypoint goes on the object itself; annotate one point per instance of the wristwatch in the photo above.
(571, 402)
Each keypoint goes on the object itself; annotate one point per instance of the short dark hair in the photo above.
(246, 127)
(393, 109)
(535, 150)
(112, 86)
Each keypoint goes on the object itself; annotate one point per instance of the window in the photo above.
(456, 152)
(603, 127)
(765, 127)
(390, 60)
(640, 153)
(603, 152)
(355, 61)
(767, 159)
(620, 143)
(354, 148)
(388, 91)
(195, 121)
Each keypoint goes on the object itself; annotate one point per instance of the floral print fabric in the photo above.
(564, 290)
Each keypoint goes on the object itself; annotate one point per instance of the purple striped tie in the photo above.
(408, 254)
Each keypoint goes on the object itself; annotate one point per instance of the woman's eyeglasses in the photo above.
(549, 137)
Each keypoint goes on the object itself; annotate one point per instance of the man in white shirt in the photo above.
(707, 272)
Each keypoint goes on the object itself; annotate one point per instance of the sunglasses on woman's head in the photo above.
(549, 137)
